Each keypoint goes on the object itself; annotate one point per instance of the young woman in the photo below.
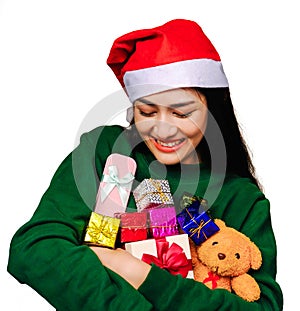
(183, 130)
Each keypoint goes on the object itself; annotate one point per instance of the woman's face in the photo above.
(172, 124)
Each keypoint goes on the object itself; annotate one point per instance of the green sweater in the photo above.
(47, 252)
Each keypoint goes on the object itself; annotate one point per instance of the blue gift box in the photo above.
(191, 206)
(198, 227)
(187, 214)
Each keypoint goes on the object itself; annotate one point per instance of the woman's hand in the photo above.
(133, 270)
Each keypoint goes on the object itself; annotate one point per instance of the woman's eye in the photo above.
(146, 114)
(182, 115)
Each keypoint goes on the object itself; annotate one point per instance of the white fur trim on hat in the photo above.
(206, 73)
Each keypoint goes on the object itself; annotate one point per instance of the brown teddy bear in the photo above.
(223, 261)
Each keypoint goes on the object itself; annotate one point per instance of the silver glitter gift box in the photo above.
(151, 193)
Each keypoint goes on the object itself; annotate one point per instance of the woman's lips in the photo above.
(168, 146)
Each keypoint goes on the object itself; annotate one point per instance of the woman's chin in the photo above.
(166, 158)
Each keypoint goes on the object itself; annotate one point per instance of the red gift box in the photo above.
(133, 227)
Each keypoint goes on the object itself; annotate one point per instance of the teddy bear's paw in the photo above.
(246, 287)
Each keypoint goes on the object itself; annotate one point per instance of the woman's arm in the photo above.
(133, 270)
(48, 255)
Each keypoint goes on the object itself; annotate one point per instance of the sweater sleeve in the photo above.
(47, 252)
(186, 294)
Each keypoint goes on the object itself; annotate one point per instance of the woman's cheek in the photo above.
(192, 129)
(198, 125)
(144, 127)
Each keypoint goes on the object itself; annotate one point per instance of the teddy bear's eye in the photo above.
(237, 255)
(214, 243)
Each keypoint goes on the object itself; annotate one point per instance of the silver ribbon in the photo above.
(112, 180)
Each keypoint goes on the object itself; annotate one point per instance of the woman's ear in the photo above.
(129, 115)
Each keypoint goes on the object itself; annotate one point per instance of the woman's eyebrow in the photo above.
(178, 105)
(146, 101)
(175, 105)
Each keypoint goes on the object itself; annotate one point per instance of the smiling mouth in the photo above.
(168, 146)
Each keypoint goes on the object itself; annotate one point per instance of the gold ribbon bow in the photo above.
(164, 198)
(199, 227)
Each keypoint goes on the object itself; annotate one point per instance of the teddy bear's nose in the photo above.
(221, 256)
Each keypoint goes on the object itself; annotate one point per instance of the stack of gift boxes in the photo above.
(154, 233)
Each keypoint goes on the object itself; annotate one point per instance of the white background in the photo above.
(53, 71)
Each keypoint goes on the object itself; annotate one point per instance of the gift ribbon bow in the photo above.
(101, 230)
(172, 259)
(199, 227)
(113, 180)
(213, 278)
(160, 192)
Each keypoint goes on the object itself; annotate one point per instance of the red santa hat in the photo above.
(176, 54)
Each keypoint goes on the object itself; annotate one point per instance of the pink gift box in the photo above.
(115, 186)
(149, 249)
(163, 221)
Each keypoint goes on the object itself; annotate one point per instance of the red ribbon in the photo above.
(213, 278)
(172, 259)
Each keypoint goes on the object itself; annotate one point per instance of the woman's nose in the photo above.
(163, 130)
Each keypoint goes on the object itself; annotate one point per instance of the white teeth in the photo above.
(172, 144)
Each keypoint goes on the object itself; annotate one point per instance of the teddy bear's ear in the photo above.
(220, 223)
(256, 258)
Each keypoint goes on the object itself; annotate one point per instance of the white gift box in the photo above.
(139, 248)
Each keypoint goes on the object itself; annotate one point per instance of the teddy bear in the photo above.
(223, 260)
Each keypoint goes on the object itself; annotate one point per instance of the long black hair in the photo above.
(238, 157)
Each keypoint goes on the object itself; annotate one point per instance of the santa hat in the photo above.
(176, 54)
